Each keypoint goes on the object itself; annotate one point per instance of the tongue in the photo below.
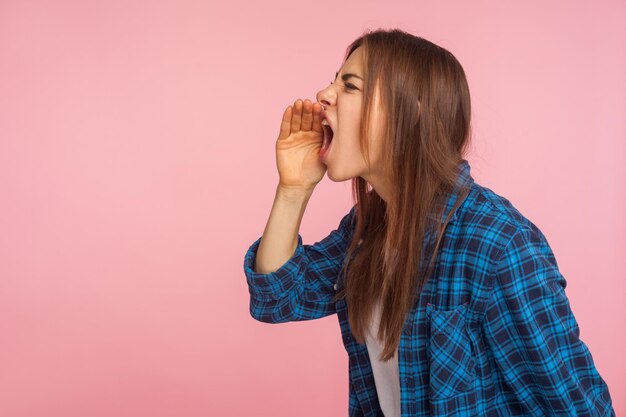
(328, 137)
(325, 145)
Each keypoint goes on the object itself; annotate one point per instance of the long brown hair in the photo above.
(422, 148)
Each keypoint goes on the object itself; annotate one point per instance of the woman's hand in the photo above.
(298, 146)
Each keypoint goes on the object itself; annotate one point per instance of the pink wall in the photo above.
(137, 166)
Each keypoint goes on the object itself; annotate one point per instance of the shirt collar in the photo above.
(464, 180)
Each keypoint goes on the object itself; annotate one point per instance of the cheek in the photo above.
(375, 143)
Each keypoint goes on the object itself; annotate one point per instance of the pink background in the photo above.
(137, 166)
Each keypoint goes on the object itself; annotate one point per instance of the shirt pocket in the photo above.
(452, 366)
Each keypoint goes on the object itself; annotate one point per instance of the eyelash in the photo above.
(347, 86)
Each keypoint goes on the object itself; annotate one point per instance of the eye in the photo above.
(347, 86)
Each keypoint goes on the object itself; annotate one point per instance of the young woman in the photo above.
(449, 300)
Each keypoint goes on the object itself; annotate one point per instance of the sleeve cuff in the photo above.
(274, 285)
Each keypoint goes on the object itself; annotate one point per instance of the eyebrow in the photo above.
(345, 76)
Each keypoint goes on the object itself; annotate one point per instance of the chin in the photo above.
(336, 176)
(331, 174)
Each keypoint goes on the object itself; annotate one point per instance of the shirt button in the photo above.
(335, 286)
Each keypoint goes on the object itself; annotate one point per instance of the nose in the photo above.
(326, 97)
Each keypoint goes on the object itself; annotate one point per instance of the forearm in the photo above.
(280, 237)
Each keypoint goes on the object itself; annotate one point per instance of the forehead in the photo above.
(354, 61)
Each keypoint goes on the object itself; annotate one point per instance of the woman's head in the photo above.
(402, 132)
(380, 132)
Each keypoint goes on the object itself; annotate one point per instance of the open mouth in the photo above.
(328, 136)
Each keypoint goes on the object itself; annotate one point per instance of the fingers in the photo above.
(285, 124)
(301, 116)
(307, 115)
(296, 118)
(317, 126)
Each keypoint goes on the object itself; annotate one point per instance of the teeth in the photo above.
(325, 122)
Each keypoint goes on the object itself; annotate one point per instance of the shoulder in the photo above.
(348, 222)
(492, 223)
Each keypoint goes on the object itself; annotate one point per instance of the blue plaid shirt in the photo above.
(492, 333)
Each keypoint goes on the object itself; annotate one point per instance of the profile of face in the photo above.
(343, 102)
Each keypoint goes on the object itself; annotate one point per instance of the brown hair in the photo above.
(422, 148)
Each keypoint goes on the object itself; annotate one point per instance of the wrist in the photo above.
(294, 193)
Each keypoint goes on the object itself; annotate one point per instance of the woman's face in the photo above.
(342, 101)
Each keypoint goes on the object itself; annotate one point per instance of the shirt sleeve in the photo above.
(303, 287)
(529, 327)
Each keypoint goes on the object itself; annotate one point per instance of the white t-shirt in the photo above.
(386, 374)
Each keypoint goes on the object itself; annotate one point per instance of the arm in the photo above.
(531, 330)
(280, 236)
(303, 286)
